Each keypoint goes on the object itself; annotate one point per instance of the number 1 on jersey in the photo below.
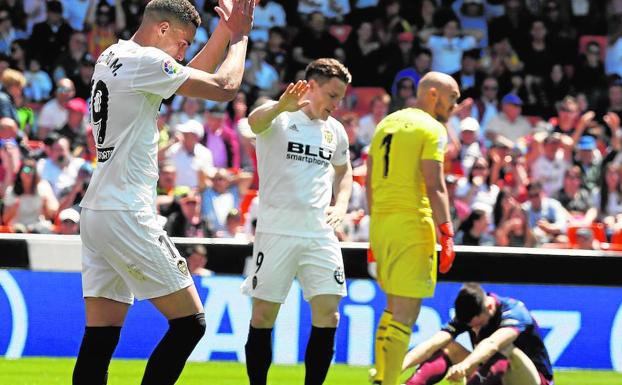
(386, 143)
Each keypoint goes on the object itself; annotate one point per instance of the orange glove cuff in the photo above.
(446, 229)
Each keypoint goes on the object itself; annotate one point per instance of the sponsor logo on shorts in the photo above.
(183, 267)
(170, 67)
(136, 272)
(254, 282)
(340, 277)
(103, 154)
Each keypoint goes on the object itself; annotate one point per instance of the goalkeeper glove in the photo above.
(447, 246)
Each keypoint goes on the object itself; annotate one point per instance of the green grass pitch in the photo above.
(52, 371)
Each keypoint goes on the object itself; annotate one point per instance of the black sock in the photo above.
(96, 350)
(169, 357)
(319, 354)
(258, 355)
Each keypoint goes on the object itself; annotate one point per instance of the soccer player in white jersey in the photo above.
(125, 252)
(302, 156)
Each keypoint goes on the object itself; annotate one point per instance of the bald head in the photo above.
(437, 80)
(437, 94)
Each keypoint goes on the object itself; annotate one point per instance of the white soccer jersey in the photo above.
(128, 86)
(295, 175)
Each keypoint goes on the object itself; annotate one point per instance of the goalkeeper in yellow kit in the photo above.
(407, 195)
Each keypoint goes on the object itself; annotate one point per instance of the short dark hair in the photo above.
(181, 10)
(322, 70)
(470, 302)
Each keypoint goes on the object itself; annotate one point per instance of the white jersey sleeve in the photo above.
(342, 152)
(159, 74)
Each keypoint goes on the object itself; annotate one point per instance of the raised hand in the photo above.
(613, 121)
(240, 19)
(291, 100)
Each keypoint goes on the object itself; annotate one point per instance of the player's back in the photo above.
(129, 83)
(400, 142)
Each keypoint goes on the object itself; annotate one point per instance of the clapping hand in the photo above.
(237, 15)
(291, 100)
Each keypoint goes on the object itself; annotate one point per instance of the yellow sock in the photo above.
(396, 342)
(379, 346)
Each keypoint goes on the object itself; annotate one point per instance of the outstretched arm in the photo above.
(291, 100)
(343, 188)
(212, 54)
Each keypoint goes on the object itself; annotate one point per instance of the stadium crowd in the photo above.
(535, 151)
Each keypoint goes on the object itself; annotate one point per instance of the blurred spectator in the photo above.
(188, 155)
(458, 210)
(51, 37)
(509, 124)
(268, 14)
(17, 13)
(472, 17)
(277, 54)
(187, 222)
(470, 149)
(546, 217)
(470, 77)
(368, 123)
(613, 101)
(221, 140)
(350, 122)
(75, 129)
(515, 24)
(7, 32)
(103, 24)
(392, 22)
(54, 113)
(476, 189)
(589, 161)
(404, 95)
(590, 75)
(447, 49)
(30, 201)
(608, 197)
(133, 11)
(71, 196)
(13, 83)
(363, 56)
(549, 159)
(220, 196)
(315, 42)
(74, 12)
(190, 109)
(421, 63)
(19, 55)
(9, 153)
(554, 88)
(197, 260)
(69, 222)
(401, 54)
(39, 84)
(424, 17)
(538, 55)
(487, 105)
(576, 199)
(233, 227)
(82, 81)
(515, 232)
(61, 168)
(613, 60)
(474, 230)
(68, 64)
(260, 78)
(501, 61)
(586, 241)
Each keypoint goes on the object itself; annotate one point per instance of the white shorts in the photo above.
(316, 262)
(127, 254)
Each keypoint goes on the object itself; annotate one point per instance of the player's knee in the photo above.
(262, 320)
(327, 319)
(191, 328)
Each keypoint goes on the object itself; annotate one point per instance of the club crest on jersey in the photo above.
(182, 266)
(339, 275)
(327, 136)
(170, 67)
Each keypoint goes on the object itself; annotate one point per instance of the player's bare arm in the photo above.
(432, 171)
(499, 340)
(426, 349)
(290, 101)
(343, 188)
(212, 54)
(224, 84)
